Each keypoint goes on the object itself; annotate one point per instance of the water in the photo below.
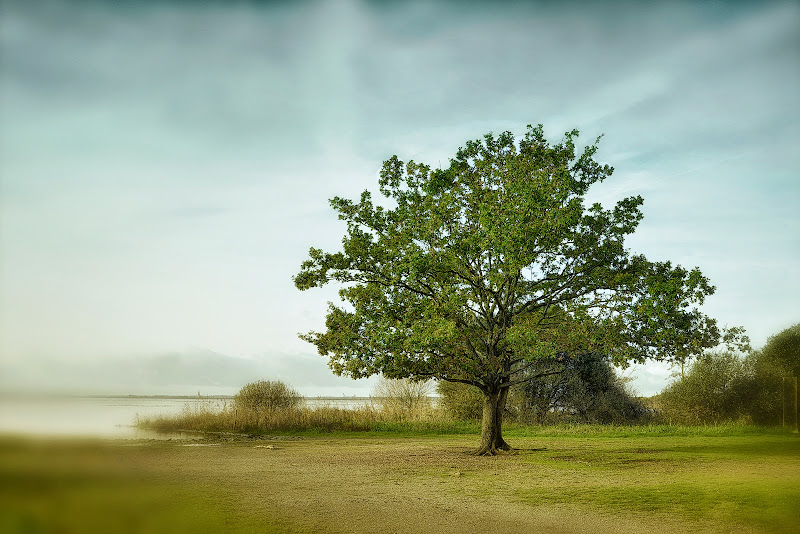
(109, 417)
(103, 417)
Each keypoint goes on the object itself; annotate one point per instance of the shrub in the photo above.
(403, 398)
(267, 395)
(585, 388)
(204, 417)
(717, 387)
(767, 389)
(723, 387)
(460, 401)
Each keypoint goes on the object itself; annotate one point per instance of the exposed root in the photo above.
(487, 450)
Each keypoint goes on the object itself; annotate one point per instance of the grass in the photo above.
(747, 479)
(570, 478)
(378, 419)
(622, 431)
(86, 487)
(206, 416)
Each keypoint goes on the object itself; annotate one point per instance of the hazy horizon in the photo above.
(167, 165)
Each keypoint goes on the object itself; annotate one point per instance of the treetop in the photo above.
(485, 266)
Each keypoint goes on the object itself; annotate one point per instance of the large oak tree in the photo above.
(474, 272)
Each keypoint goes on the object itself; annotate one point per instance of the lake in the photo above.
(111, 417)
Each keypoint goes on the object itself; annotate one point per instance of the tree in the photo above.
(725, 386)
(461, 401)
(583, 388)
(587, 387)
(777, 361)
(716, 387)
(474, 272)
(783, 349)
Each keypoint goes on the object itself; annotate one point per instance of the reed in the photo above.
(272, 406)
(204, 417)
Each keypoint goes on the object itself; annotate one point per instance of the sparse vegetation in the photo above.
(203, 417)
(404, 399)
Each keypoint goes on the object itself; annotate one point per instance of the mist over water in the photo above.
(68, 416)
(111, 417)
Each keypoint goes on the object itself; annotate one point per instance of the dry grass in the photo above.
(269, 407)
(404, 399)
(209, 416)
(231, 418)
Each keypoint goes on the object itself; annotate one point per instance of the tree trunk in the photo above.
(492, 441)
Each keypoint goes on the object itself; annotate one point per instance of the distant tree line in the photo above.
(726, 387)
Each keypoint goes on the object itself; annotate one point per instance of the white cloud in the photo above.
(165, 169)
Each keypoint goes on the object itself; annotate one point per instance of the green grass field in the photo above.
(560, 479)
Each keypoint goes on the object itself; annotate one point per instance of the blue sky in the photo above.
(165, 166)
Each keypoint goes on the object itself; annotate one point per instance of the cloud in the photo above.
(167, 166)
(178, 373)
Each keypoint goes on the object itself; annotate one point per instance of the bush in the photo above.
(404, 398)
(460, 401)
(765, 404)
(718, 387)
(266, 395)
(205, 417)
(586, 388)
(723, 387)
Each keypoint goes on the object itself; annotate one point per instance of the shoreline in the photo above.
(47, 395)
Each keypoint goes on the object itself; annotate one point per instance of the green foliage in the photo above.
(584, 388)
(460, 401)
(722, 387)
(469, 276)
(479, 270)
(713, 390)
(764, 384)
(783, 351)
(267, 395)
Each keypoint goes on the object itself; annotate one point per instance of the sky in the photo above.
(165, 166)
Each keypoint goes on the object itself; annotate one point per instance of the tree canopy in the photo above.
(784, 349)
(473, 272)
